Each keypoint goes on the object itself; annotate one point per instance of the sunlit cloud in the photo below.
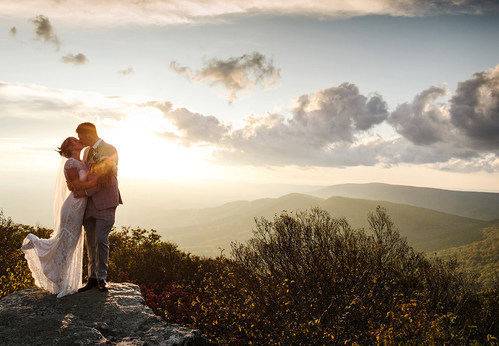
(164, 12)
(78, 59)
(192, 128)
(236, 74)
(44, 31)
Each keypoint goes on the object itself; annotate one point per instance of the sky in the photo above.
(210, 101)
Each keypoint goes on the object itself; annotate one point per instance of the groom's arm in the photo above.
(109, 153)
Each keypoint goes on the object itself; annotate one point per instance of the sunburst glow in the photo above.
(144, 153)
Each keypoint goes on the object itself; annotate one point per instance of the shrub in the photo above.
(138, 255)
(315, 280)
(14, 271)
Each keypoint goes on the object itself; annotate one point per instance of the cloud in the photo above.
(337, 114)
(470, 119)
(127, 71)
(334, 127)
(438, 7)
(78, 59)
(44, 31)
(422, 121)
(165, 12)
(193, 128)
(13, 31)
(338, 127)
(236, 74)
(321, 127)
(474, 109)
(25, 101)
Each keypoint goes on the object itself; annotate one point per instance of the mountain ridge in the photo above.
(472, 204)
(217, 227)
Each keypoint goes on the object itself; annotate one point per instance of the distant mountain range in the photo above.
(431, 219)
(476, 205)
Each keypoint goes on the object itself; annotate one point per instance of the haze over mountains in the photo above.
(431, 219)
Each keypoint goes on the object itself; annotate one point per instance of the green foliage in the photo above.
(139, 255)
(328, 282)
(14, 272)
(481, 257)
(311, 279)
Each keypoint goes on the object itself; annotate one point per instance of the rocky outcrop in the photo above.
(117, 317)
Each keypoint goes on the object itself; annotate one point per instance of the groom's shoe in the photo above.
(91, 283)
(103, 285)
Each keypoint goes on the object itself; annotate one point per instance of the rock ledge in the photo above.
(117, 317)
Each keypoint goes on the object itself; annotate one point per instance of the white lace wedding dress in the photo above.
(56, 262)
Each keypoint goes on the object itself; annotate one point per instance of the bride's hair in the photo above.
(66, 146)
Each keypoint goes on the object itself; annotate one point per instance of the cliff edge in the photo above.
(117, 317)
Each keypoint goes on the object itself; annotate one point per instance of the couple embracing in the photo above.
(86, 195)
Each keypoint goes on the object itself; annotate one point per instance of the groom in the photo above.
(101, 204)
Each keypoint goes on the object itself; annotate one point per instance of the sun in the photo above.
(145, 153)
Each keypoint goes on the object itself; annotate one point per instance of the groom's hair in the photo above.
(87, 129)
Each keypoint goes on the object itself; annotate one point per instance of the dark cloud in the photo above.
(194, 128)
(474, 109)
(45, 31)
(236, 74)
(78, 59)
(438, 7)
(127, 71)
(423, 121)
(13, 31)
(337, 114)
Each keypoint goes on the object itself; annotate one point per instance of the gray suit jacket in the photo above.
(106, 195)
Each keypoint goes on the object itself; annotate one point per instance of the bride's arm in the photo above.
(74, 179)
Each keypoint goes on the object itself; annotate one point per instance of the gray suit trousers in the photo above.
(98, 225)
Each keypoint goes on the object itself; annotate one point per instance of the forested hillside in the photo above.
(425, 229)
(481, 257)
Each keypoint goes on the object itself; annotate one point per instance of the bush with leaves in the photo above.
(317, 281)
(14, 271)
(140, 256)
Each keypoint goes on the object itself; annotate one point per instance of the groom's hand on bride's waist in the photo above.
(79, 193)
(70, 186)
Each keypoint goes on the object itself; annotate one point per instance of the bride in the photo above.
(56, 262)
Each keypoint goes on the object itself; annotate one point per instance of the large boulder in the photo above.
(119, 316)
